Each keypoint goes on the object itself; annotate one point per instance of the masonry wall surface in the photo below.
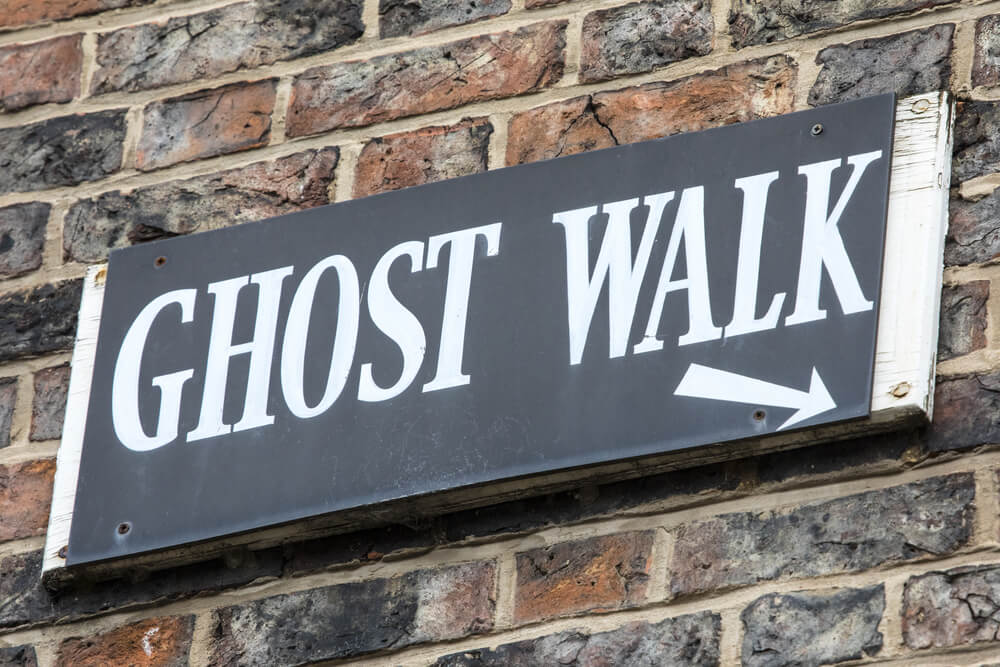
(124, 121)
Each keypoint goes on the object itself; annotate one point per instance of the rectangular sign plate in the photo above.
(697, 289)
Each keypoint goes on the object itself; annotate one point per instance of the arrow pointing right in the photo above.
(704, 382)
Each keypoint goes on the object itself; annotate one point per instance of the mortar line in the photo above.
(963, 50)
(730, 649)
(20, 423)
(88, 46)
(283, 92)
(370, 17)
(346, 172)
(497, 150)
(891, 624)
(506, 590)
(200, 653)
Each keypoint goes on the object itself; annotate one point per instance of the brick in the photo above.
(22, 237)
(966, 412)
(963, 319)
(61, 151)
(49, 404)
(986, 54)
(686, 640)
(205, 124)
(416, 17)
(976, 140)
(26, 602)
(163, 642)
(952, 608)
(25, 497)
(365, 616)
(733, 94)
(767, 21)
(15, 13)
(8, 397)
(423, 156)
(933, 516)
(42, 72)
(813, 628)
(423, 80)
(39, 320)
(535, 4)
(18, 656)
(93, 227)
(596, 574)
(642, 36)
(907, 64)
(973, 231)
(208, 44)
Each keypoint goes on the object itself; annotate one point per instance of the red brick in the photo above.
(598, 574)
(42, 72)
(205, 124)
(24, 12)
(423, 156)
(487, 67)
(49, 404)
(733, 94)
(25, 496)
(952, 608)
(159, 642)
(8, 397)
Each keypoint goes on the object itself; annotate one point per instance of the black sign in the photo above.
(697, 289)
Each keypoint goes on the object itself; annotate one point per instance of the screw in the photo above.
(920, 106)
(124, 527)
(62, 551)
(817, 130)
(759, 415)
(160, 261)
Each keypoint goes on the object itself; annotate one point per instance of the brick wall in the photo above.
(124, 121)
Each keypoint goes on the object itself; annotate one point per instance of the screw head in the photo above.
(817, 130)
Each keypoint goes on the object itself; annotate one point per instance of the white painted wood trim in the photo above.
(78, 396)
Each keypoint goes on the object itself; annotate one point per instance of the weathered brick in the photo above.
(159, 642)
(22, 236)
(8, 397)
(15, 13)
(986, 54)
(907, 64)
(205, 124)
(416, 17)
(933, 516)
(973, 231)
(742, 92)
(596, 574)
(487, 67)
(49, 404)
(25, 497)
(976, 140)
(966, 412)
(642, 36)
(963, 319)
(42, 72)
(766, 21)
(691, 640)
(205, 45)
(24, 600)
(952, 608)
(423, 156)
(535, 4)
(61, 151)
(355, 618)
(813, 628)
(39, 320)
(18, 656)
(114, 219)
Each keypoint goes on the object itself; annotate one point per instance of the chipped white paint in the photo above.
(147, 648)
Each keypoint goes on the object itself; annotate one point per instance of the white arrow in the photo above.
(704, 382)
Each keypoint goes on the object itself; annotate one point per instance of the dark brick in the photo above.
(766, 21)
(733, 94)
(963, 319)
(114, 219)
(596, 574)
(22, 237)
(813, 628)
(24, 12)
(205, 124)
(61, 151)
(973, 230)
(163, 642)
(952, 608)
(352, 619)
(691, 640)
(24, 600)
(535, 4)
(49, 404)
(25, 497)
(41, 72)
(8, 397)
(205, 45)
(416, 17)
(642, 36)
(986, 56)
(907, 64)
(487, 67)
(977, 140)
(39, 320)
(18, 656)
(966, 412)
(423, 156)
(930, 517)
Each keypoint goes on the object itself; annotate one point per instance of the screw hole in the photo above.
(759, 415)
(62, 552)
(160, 261)
(817, 130)
(124, 527)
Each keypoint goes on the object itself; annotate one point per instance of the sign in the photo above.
(698, 289)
